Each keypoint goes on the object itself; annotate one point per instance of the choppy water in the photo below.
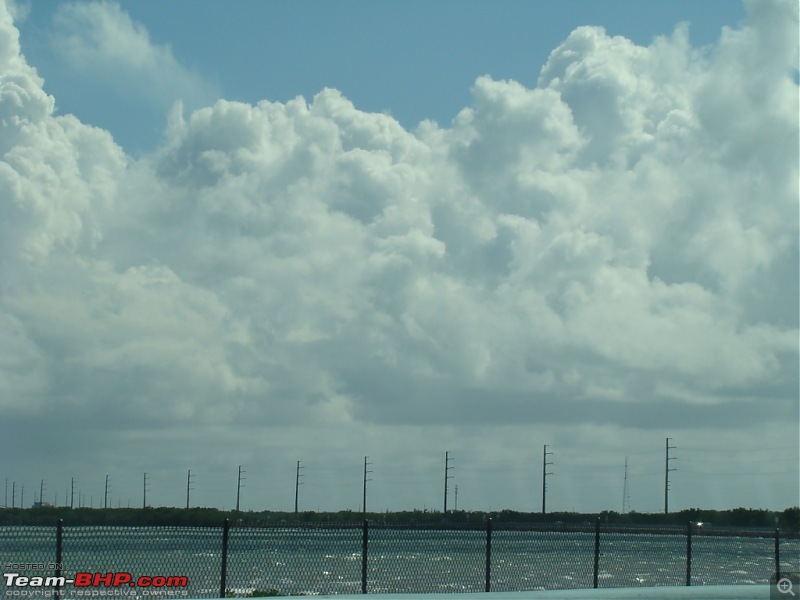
(317, 560)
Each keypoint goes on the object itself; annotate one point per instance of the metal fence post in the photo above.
(489, 555)
(777, 554)
(689, 553)
(364, 544)
(223, 578)
(59, 554)
(596, 572)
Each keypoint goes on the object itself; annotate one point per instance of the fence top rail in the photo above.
(584, 527)
(297, 525)
(300, 525)
(429, 526)
(699, 530)
(102, 526)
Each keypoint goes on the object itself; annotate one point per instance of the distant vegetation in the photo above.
(787, 520)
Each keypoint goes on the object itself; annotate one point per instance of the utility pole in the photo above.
(625, 499)
(72, 493)
(22, 497)
(297, 486)
(41, 493)
(447, 469)
(544, 478)
(456, 509)
(188, 487)
(364, 503)
(667, 458)
(13, 494)
(238, 487)
(5, 500)
(105, 494)
(144, 492)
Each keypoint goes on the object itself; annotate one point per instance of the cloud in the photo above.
(100, 43)
(614, 248)
(58, 175)
(22, 98)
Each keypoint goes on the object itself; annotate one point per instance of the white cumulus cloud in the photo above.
(100, 43)
(616, 247)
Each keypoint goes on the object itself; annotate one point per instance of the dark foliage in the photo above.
(751, 518)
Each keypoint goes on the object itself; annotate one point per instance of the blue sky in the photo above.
(253, 233)
(415, 60)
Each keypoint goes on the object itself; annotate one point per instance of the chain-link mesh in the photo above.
(417, 559)
(146, 551)
(27, 545)
(329, 559)
(731, 559)
(294, 560)
(790, 554)
(546, 559)
(650, 557)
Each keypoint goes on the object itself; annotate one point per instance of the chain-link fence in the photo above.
(380, 558)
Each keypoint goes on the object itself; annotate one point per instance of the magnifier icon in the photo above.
(785, 586)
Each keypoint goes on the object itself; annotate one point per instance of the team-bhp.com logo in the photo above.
(157, 585)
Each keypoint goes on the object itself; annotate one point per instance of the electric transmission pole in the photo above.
(544, 478)
(447, 469)
(188, 487)
(41, 493)
(297, 486)
(364, 503)
(13, 494)
(72, 492)
(625, 499)
(144, 492)
(667, 458)
(105, 494)
(239, 487)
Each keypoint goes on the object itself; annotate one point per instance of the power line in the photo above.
(738, 472)
(741, 461)
(726, 450)
(608, 453)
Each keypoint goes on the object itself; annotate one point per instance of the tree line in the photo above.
(787, 520)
